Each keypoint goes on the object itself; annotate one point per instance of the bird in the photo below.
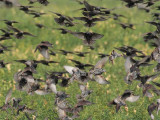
(81, 54)
(147, 78)
(43, 48)
(88, 38)
(149, 36)
(63, 20)
(114, 55)
(125, 26)
(6, 35)
(84, 91)
(20, 34)
(26, 9)
(29, 63)
(43, 2)
(98, 68)
(46, 62)
(40, 25)
(81, 65)
(90, 22)
(36, 14)
(76, 74)
(120, 100)
(102, 55)
(95, 73)
(9, 22)
(64, 52)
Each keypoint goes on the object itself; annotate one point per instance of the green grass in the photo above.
(114, 36)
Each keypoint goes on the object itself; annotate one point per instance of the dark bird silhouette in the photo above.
(20, 34)
(81, 65)
(90, 7)
(29, 64)
(130, 51)
(40, 25)
(36, 14)
(9, 22)
(90, 22)
(81, 54)
(6, 35)
(45, 62)
(132, 3)
(64, 52)
(147, 78)
(88, 38)
(150, 36)
(43, 2)
(102, 55)
(63, 20)
(125, 26)
(26, 9)
(92, 13)
(32, 1)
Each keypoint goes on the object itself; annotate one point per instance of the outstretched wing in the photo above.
(101, 62)
(69, 69)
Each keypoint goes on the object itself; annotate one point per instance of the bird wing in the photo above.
(80, 35)
(8, 96)
(101, 62)
(27, 33)
(45, 53)
(152, 77)
(96, 36)
(53, 88)
(101, 79)
(69, 69)
(132, 98)
(81, 18)
(41, 92)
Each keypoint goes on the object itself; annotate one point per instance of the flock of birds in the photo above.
(91, 15)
